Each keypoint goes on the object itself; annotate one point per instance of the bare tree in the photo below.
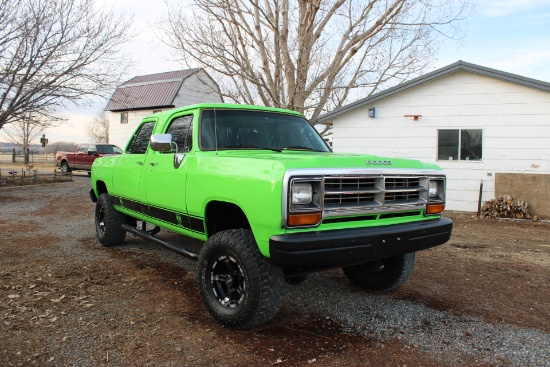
(60, 146)
(98, 128)
(311, 55)
(57, 52)
(24, 131)
(66, 146)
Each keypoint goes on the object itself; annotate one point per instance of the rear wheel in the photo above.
(108, 222)
(383, 275)
(238, 285)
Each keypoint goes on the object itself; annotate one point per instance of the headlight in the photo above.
(434, 189)
(302, 193)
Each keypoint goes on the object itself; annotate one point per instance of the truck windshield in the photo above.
(108, 149)
(245, 129)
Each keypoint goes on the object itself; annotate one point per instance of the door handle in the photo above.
(140, 163)
(153, 163)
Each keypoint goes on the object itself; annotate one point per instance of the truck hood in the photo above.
(305, 159)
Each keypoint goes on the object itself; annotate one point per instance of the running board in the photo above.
(148, 236)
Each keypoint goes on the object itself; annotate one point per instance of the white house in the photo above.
(147, 94)
(477, 123)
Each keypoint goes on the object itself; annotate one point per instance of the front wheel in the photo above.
(238, 285)
(65, 167)
(108, 222)
(382, 275)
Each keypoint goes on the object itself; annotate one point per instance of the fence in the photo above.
(33, 158)
(29, 177)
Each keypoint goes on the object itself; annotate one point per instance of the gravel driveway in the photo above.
(481, 300)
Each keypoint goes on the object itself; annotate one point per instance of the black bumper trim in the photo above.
(344, 247)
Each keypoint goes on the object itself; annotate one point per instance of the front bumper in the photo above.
(344, 247)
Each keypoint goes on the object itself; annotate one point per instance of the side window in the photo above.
(140, 142)
(182, 133)
(83, 149)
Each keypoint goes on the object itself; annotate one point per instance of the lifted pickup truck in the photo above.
(84, 156)
(272, 203)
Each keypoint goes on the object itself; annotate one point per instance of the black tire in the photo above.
(65, 167)
(238, 285)
(108, 222)
(384, 275)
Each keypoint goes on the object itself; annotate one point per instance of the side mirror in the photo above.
(161, 142)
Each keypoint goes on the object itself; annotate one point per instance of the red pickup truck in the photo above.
(84, 156)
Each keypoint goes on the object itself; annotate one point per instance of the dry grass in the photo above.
(31, 178)
(20, 174)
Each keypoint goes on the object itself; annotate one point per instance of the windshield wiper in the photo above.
(301, 147)
(251, 147)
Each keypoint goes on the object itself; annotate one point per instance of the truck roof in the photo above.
(221, 106)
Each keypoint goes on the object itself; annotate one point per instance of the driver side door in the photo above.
(164, 185)
(127, 175)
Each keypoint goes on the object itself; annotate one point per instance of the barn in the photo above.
(479, 124)
(147, 94)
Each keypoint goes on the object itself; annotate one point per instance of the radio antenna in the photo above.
(215, 129)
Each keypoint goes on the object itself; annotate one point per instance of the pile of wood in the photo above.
(505, 207)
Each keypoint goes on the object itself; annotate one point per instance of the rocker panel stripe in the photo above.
(176, 218)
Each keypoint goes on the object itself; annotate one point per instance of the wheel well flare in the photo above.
(221, 216)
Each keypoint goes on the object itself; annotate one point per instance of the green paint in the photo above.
(250, 178)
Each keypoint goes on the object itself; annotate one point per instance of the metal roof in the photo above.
(178, 74)
(149, 91)
(457, 66)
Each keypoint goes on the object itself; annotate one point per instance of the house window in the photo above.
(460, 144)
(124, 118)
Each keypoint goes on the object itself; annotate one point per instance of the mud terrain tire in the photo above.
(238, 285)
(108, 222)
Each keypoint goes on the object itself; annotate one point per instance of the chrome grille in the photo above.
(373, 192)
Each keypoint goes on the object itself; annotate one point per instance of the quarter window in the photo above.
(460, 144)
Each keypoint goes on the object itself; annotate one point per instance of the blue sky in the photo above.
(508, 35)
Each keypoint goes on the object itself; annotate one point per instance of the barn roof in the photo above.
(149, 91)
(459, 65)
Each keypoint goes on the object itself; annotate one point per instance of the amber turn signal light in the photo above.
(435, 208)
(304, 219)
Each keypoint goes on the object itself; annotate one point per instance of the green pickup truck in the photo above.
(271, 201)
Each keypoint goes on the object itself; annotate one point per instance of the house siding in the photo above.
(194, 89)
(119, 134)
(198, 88)
(515, 121)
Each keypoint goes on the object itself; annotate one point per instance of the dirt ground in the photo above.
(66, 300)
